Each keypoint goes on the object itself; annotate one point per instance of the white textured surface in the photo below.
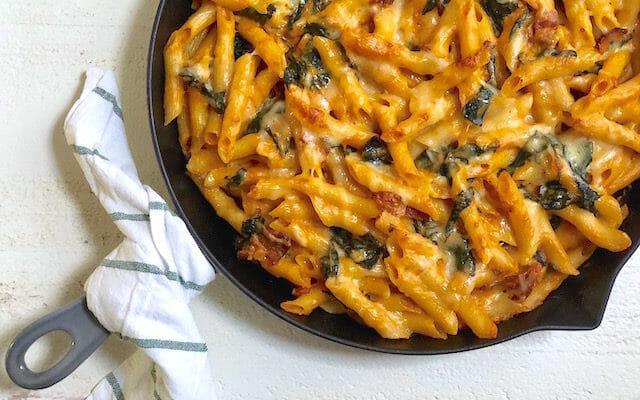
(53, 232)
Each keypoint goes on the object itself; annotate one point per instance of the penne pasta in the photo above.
(425, 167)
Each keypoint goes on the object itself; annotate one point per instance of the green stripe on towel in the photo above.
(115, 386)
(168, 344)
(150, 269)
(85, 151)
(120, 216)
(158, 205)
(111, 99)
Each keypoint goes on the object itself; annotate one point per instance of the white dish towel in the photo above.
(142, 289)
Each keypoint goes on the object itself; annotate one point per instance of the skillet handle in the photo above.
(75, 319)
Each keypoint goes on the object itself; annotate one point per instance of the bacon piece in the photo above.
(544, 27)
(277, 237)
(314, 114)
(390, 202)
(413, 213)
(474, 60)
(261, 249)
(614, 35)
(523, 283)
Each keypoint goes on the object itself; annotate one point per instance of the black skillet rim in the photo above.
(218, 266)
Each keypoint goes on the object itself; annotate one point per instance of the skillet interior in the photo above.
(578, 304)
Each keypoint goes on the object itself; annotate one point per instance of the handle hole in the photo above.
(48, 350)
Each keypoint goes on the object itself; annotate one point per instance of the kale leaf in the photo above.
(319, 5)
(461, 252)
(432, 4)
(256, 15)
(461, 202)
(307, 71)
(233, 183)
(365, 250)
(498, 10)
(428, 229)
(218, 101)
(256, 123)
(316, 29)
(240, 46)
(554, 196)
(428, 159)
(330, 263)
(376, 152)
(252, 226)
(297, 13)
(477, 107)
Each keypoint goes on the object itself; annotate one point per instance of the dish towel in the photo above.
(141, 290)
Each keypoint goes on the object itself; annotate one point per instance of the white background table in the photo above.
(53, 232)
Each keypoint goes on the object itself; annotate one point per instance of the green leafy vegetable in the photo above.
(233, 183)
(462, 154)
(593, 70)
(498, 10)
(477, 107)
(319, 5)
(491, 68)
(555, 221)
(520, 23)
(466, 152)
(252, 226)
(553, 52)
(320, 80)
(307, 71)
(281, 140)
(365, 250)
(341, 237)
(536, 144)
(540, 257)
(375, 151)
(240, 46)
(579, 155)
(429, 229)
(615, 45)
(446, 161)
(461, 252)
(257, 16)
(432, 4)
(554, 196)
(297, 13)
(313, 57)
(330, 263)
(259, 122)
(543, 260)
(316, 29)
(295, 72)
(588, 196)
(256, 123)
(218, 101)
(461, 202)
(194, 78)
(428, 159)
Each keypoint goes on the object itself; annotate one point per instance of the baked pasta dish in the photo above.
(425, 166)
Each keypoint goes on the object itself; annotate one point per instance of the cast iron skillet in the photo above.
(578, 304)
